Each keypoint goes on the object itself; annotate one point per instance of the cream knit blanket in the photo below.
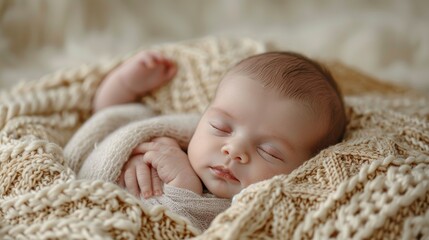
(375, 184)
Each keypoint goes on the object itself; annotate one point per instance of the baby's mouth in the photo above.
(223, 172)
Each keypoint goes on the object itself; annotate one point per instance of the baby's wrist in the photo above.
(123, 88)
(112, 92)
(131, 90)
(188, 181)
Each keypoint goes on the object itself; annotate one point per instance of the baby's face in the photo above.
(249, 134)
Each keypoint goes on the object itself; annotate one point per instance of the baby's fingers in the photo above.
(147, 59)
(144, 179)
(157, 183)
(131, 181)
(166, 141)
(144, 147)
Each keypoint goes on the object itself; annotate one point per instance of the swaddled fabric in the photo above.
(104, 143)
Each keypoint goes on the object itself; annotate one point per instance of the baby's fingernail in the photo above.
(147, 194)
(158, 193)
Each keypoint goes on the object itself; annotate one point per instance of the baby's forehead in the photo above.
(299, 80)
(296, 76)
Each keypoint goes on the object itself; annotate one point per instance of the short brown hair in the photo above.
(300, 78)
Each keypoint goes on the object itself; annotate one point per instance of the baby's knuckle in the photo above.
(155, 147)
(148, 155)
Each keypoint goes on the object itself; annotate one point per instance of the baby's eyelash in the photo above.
(221, 129)
(271, 155)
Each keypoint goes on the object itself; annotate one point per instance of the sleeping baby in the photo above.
(271, 112)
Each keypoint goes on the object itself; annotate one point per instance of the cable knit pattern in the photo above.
(373, 185)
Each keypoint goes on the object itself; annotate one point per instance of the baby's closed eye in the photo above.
(220, 127)
(270, 153)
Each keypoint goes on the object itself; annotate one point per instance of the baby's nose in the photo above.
(235, 153)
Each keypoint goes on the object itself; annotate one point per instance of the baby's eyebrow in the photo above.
(286, 143)
(221, 111)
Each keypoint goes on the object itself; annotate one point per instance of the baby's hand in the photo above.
(140, 178)
(145, 72)
(161, 160)
(139, 75)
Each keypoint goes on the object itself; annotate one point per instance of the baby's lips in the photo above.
(224, 172)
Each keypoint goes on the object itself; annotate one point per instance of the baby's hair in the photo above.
(300, 78)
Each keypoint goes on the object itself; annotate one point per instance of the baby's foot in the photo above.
(145, 72)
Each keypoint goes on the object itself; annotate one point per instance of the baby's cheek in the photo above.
(195, 155)
(264, 173)
(192, 147)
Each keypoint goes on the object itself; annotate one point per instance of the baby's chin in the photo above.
(222, 191)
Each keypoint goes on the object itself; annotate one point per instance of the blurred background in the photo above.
(388, 39)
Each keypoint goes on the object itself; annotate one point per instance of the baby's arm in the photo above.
(133, 79)
(170, 162)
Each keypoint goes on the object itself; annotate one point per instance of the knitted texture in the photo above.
(375, 184)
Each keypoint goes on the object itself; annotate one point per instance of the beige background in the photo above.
(386, 38)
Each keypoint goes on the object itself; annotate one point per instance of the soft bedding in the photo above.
(374, 184)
